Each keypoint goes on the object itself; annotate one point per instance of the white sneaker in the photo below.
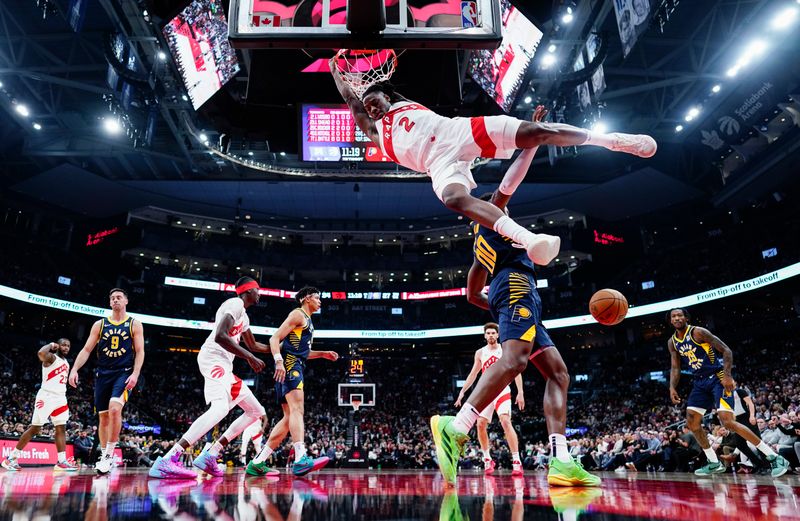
(640, 145)
(104, 466)
(543, 248)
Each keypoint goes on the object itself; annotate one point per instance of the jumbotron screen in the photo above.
(329, 133)
(198, 41)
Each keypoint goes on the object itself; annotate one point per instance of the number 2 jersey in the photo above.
(234, 307)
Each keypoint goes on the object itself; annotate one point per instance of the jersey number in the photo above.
(406, 123)
(485, 254)
(62, 379)
(114, 342)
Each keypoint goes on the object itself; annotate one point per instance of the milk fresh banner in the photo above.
(634, 311)
(35, 452)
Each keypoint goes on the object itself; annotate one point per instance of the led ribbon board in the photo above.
(579, 320)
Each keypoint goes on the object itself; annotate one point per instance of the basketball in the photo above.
(608, 306)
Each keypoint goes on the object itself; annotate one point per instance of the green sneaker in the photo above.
(260, 469)
(779, 466)
(711, 468)
(449, 446)
(451, 510)
(570, 474)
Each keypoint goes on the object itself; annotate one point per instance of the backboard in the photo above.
(363, 393)
(320, 24)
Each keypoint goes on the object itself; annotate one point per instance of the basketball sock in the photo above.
(262, 456)
(487, 454)
(517, 172)
(515, 457)
(465, 418)
(62, 457)
(711, 455)
(216, 449)
(299, 451)
(507, 227)
(176, 449)
(15, 453)
(766, 449)
(558, 448)
(110, 446)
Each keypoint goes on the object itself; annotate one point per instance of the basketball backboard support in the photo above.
(348, 393)
(321, 24)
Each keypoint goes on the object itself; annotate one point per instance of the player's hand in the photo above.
(256, 364)
(332, 65)
(54, 347)
(280, 372)
(331, 355)
(674, 396)
(73, 378)
(131, 381)
(539, 113)
(728, 384)
(520, 402)
(458, 402)
(752, 420)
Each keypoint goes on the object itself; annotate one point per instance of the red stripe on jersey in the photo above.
(502, 399)
(59, 411)
(236, 387)
(388, 123)
(256, 436)
(57, 371)
(481, 137)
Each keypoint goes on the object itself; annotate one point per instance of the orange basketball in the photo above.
(608, 306)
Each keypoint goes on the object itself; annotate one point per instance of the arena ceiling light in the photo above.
(22, 110)
(37, 126)
(111, 125)
(716, 88)
(162, 56)
(203, 138)
(693, 113)
(568, 16)
(551, 48)
(679, 128)
(600, 127)
(785, 18)
(548, 60)
(528, 100)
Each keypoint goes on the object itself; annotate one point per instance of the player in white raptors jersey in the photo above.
(51, 402)
(421, 140)
(223, 389)
(254, 433)
(485, 357)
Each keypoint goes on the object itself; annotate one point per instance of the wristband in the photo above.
(278, 358)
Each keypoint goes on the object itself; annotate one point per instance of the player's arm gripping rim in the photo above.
(224, 340)
(363, 120)
(703, 335)
(46, 356)
(674, 372)
(252, 344)
(295, 319)
(138, 360)
(473, 375)
(83, 356)
(327, 355)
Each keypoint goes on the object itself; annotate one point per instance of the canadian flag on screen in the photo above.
(265, 20)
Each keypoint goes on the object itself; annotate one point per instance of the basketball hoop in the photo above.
(356, 403)
(362, 68)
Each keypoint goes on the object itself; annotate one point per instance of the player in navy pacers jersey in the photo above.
(710, 362)
(119, 343)
(291, 347)
(515, 305)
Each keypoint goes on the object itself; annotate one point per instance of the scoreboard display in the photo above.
(329, 133)
(356, 370)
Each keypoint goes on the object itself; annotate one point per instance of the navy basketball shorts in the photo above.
(110, 386)
(294, 380)
(517, 308)
(708, 393)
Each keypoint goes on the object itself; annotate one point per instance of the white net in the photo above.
(362, 69)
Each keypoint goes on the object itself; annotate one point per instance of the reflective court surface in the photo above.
(368, 495)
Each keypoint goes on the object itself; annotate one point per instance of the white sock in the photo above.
(62, 457)
(487, 454)
(15, 453)
(110, 446)
(507, 227)
(262, 456)
(465, 418)
(711, 455)
(599, 139)
(176, 449)
(515, 457)
(766, 449)
(299, 451)
(215, 449)
(558, 448)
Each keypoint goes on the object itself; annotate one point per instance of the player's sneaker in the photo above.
(488, 467)
(516, 468)
(207, 462)
(306, 465)
(710, 468)
(640, 145)
(779, 465)
(170, 467)
(449, 446)
(104, 466)
(570, 474)
(543, 248)
(573, 500)
(450, 510)
(11, 464)
(309, 490)
(66, 466)
(260, 469)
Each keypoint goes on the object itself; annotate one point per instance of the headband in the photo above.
(246, 287)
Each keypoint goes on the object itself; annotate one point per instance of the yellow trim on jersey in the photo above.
(518, 287)
(530, 334)
(118, 323)
(300, 386)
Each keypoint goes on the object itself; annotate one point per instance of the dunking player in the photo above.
(421, 140)
(223, 390)
(51, 402)
(713, 387)
(120, 354)
(255, 433)
(485, 357)
(516, 306)
(294, 337)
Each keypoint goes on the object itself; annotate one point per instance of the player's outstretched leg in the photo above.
(449, 446)
(533, 134)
